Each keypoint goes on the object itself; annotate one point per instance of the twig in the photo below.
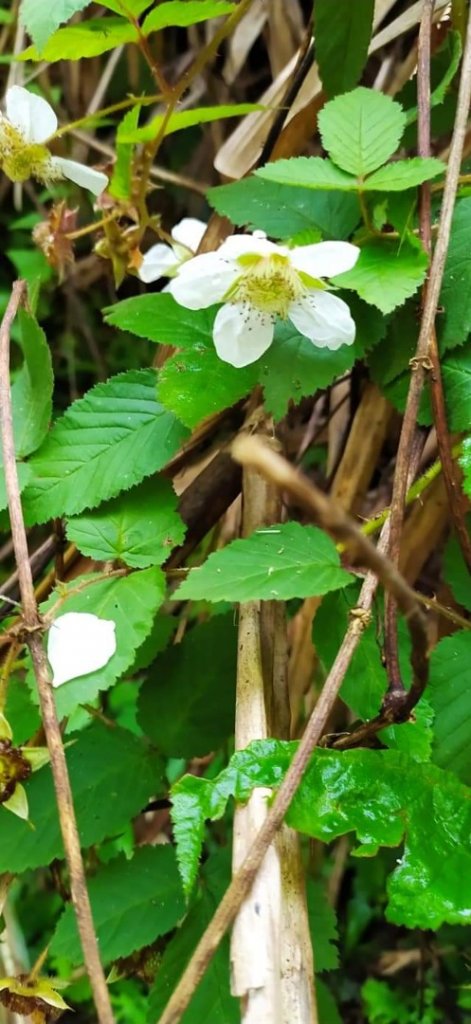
(33, 637)
(422, 362)
(243, 880)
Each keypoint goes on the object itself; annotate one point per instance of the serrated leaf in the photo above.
(133, 902)
(131, 602)
(283, 211)
(159, 318)
(32, 387)
(293, 367)
(406, 802)
(24, 475)
(88, 39)
(139, 527)
(454, 324)
(323, 927)
(361, 129)
(106, 442)
(195, 384)
(456, 572)
(20, 711)
(342, 33)
(274, 564)
(456, 373)
(126, 7)
(308, 172)
(41, 18)
(181, 119)
(181, 13)
(196, 713)
(450, 696)
(212, 1001)
(112, 773)
(386, 274)
(121, 179)
(403, 174)
(465, 463)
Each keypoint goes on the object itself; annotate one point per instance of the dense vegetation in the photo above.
(235, 408)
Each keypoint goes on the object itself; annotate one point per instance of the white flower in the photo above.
(79, 643)
(165, 260)
(259, 281)
(28, 125)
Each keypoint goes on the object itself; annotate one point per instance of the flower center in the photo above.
(20, 159)
(268, 283)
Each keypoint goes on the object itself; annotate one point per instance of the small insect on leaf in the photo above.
(79, 643)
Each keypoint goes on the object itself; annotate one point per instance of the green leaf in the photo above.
(284, 210)
(274, 564)
(182, 13)
(454, 324)
(114, 437)
(450, 696)
(131, 602)
(196, 383)
(24, 475)
(465, 463)
(361, 129)
(121, 179)
(403, 174)
(113, 775)
(342, 33)
(456, 372)
(323, 927)
(188, 119)
(20, 711)
(88, 39)
(41, 18)
(133, 902)
(386, 274)
(456, 572)
(407, 801)
(32, 387)
(212, 1001)
(196, 713)
(132, 8)
(308, 172)
(139, 527)
(159, 318)
(327, 1010)
(293, 367)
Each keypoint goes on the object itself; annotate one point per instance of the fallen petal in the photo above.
(79, 643)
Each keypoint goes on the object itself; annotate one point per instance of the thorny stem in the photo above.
(409, 430)
(33, 630)
(208, 51)
(422, 360)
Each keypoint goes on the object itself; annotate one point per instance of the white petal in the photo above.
(241, 334)
(158, 261)
(33, 116)
(324, 319)
(249, 245)
(79, 643)
(324, 259)
(189, 232)
(204, 280)
(80, 174)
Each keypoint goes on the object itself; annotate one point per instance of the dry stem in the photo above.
(33, 638)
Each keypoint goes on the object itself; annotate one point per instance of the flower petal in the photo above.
(33, 116)
(189, 232)
(324, 319)
(249, 245)
(80, 174)
(158, 261)
(324, 259)
(241, 334)
(79, 643)
(202, 281)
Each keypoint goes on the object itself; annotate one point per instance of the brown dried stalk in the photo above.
(33, 629)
